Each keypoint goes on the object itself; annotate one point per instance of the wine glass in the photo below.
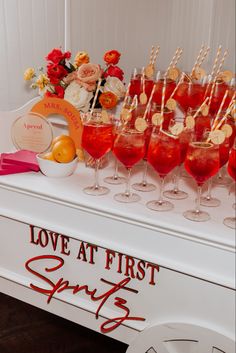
(202, 123)
(170, 86)
(138, 85)
(222, 178)
(202, 162)
(164, 156)
(231, 221)
(129, 149)
(209, 200)
(144, 185)
(185, 137)
(115, 179)
(218, 93)
(97, 140)
(168, 115)
(189, 94)
(231, 121)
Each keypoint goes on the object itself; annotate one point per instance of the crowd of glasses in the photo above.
(162, 150)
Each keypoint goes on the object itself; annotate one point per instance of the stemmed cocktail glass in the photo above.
(168, 115)
(97, 140)
(115, 179)
(162, 80)
(231, 221)
(222, 179)
(202, 162)
(217, 93)
(164, 156)
(224, 149)
(202, 122)
(185, 137)
(129, 149)
(144, 185)
(189, 95)
(139, 83)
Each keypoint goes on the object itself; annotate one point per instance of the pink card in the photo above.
(6, 169)
(23, 158)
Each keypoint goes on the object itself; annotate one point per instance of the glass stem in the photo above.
(209, 188)
(160, 201)
(220, 173)
(127, 190)
(144, 182)
(176, 178)
(115, 176)
(96, 183)
(198, 200)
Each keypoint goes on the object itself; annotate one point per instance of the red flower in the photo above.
(56, 73)
(59, 92)
(111, 57)
(114, 71)
(56, 56)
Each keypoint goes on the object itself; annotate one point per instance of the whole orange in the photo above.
(60, 138)
(64, 151)
(49, 156)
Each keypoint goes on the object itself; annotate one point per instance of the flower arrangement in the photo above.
(77, 82)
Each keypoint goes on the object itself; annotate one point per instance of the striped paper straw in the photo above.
(200, 108)
(149, 101)
(151, 54)
(196, 61)
(216, 61)
(96, 95)
(163, 97)
(155, 55)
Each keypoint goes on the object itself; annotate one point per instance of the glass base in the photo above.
(175, 194)
(126, 198)
(209, 201)
(157, 205)
(115, 180)
(197, 216)
(144, 187)
(230, 222)
(96, 190)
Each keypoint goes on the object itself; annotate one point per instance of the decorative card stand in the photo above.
(49, 106)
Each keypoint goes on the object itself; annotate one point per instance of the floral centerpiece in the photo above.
(77, 82)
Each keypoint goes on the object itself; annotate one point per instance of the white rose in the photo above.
(78, 96)
(114, 85)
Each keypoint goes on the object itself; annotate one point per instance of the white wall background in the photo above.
(29, 29)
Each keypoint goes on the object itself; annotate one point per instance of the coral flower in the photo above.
(81, 58)
(112, 57)
(108, 100)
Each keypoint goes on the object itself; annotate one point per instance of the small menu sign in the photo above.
(32, 132)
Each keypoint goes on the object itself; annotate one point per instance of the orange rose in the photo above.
(112, 57)
(81, 58)
(108, 100)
